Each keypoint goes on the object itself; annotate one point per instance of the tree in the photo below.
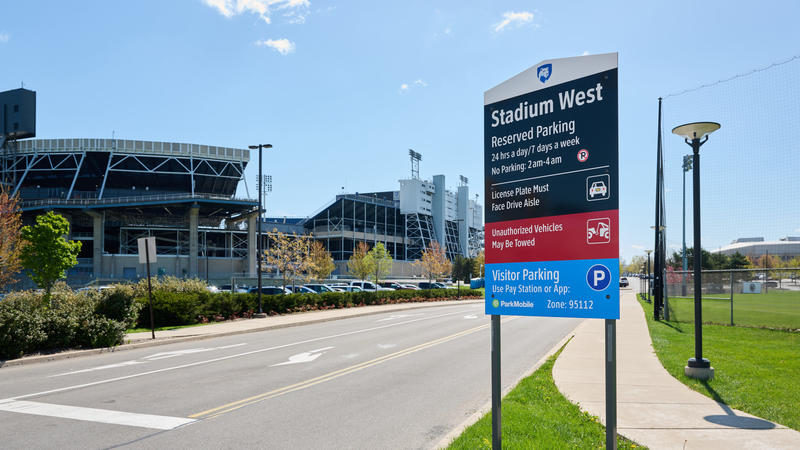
(462, 271)
(321, 261)
(46, 252)
(637, 264)
(434, 262)
(360, 265)
(479, 264)
(290, 255)
(10, 238)
(381, 261)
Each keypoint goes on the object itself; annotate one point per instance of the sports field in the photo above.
(774, 309)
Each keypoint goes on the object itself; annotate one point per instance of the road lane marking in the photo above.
(152, 357)
(223, 409)
(303, 357)
(95, 415)
(221, 358)
(397, 316)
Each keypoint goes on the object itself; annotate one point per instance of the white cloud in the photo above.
(514, 19)
(294, 10)
(282, 46)
(4, 37)
(585, 53)
(406, 87)
(637, 247)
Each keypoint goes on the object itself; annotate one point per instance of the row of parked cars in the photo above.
(318, 288)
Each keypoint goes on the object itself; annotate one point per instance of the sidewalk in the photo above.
(144, 339)
(653, 408)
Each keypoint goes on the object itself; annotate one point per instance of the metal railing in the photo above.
(129, 199)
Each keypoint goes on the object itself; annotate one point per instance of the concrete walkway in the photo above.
(653, 408)
(144, 339)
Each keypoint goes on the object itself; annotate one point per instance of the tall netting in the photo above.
(750, 193)
(750, 168)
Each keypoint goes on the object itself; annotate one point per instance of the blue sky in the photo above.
(343, 89)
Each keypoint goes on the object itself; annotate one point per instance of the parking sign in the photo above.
(552, 209)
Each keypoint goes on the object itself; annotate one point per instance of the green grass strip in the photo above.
(756, 370)
(537, 416)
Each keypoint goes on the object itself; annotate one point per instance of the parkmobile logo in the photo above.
(544, 71)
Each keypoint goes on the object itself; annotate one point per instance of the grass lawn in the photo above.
(775, 309)
(536, 415)
(756, 370)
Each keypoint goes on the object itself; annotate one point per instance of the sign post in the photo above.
(552, 205)
(147, 254)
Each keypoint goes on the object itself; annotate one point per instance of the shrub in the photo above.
(28, 324)
(172, 308)
(118, 304)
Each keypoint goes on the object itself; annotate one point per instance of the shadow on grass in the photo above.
(674, 326)
(730, 419)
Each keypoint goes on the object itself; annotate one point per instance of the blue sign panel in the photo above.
(578, 288)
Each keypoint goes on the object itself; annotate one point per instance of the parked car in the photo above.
(240, 288)
(434, 285)
(320, 288)
(410, 287)
(368, 286)
(347, 288)
(301, 289)
(623, 282)
(270, 290)
(391, 285)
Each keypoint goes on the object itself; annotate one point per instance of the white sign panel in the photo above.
(150, 242)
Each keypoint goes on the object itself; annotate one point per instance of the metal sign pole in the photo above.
(496, 394)
(611, 384)
(150, 291)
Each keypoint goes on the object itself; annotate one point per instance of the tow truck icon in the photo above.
(598, 231)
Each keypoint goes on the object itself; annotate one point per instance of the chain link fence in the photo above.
(743, 297)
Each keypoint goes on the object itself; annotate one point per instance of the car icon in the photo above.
(598, 188)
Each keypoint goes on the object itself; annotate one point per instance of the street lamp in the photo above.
(696, 134)
(258, 227)
(687, 166)
(648, 275)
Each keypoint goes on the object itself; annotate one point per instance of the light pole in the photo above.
(687, 166)
(696, 134)
(658, 279)
(648, 275)
(260, 147)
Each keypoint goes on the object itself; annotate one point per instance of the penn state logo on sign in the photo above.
(544, 71)
(598, 277)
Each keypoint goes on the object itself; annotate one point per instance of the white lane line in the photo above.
(95, 415)
(397, 316)
(153, 357)
(223, 358)
(108, 366)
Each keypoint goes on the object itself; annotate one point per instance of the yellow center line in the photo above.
(214, 412)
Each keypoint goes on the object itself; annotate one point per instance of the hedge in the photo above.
(30, 324)
(187, 308)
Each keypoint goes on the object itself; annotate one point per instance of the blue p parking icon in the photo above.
(598, 277)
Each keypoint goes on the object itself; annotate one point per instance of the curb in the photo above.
(164, 341)
(487, 407)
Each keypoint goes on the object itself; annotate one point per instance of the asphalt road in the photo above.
(395, 380)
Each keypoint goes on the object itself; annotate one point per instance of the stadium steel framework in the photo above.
(114, 191)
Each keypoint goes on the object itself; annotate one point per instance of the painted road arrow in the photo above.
(303, 357)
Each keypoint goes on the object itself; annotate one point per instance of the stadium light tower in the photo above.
(260, 147)
(415, 159)
(696, 134)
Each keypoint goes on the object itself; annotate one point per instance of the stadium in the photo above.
(114, 191)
